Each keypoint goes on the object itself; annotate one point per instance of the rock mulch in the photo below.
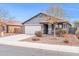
(49, 39)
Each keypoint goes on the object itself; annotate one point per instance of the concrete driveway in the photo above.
(15, 37)
(7, 50)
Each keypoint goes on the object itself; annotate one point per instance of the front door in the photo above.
(45, 29)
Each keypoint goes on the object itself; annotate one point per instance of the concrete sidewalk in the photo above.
(14, 41)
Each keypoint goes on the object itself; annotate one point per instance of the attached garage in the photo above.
(32, 25)
(32, 29)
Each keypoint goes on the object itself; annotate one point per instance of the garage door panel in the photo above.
(32, 29)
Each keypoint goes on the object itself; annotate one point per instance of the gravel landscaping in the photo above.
(67, 39)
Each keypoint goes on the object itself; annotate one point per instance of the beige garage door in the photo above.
(32, 29)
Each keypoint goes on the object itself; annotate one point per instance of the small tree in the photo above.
(3, 16)
(57, 11)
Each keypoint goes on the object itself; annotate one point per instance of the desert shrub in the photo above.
(60, 32)
(35, 39)
(66, 41)
(38, 33)
(77, 34)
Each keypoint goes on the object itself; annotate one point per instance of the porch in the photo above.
(52, 28)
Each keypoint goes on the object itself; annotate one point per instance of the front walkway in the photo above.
(15, 41)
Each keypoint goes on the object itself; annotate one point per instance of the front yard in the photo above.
(67, 39)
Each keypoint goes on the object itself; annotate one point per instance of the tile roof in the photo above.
(10, 22)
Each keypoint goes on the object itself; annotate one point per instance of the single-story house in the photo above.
(44, 23)
(10, 26)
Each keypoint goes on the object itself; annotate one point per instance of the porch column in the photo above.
(42, 28)
(67, 28)
(54, 30)
(49, 28)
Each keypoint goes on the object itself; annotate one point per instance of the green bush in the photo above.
(60, 32)
(38, 33)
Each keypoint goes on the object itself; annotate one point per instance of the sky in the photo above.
(24, 11)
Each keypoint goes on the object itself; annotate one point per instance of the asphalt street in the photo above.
(7, 50)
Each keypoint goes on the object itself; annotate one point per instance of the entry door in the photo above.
(45, 29)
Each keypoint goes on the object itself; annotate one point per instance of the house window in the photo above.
(60, 26)
(56, 26)
(64, 25)
(3, 28)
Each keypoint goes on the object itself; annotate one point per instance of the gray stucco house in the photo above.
(44, 23)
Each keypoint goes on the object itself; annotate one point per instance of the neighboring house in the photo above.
(10, 26)
(44, 23)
